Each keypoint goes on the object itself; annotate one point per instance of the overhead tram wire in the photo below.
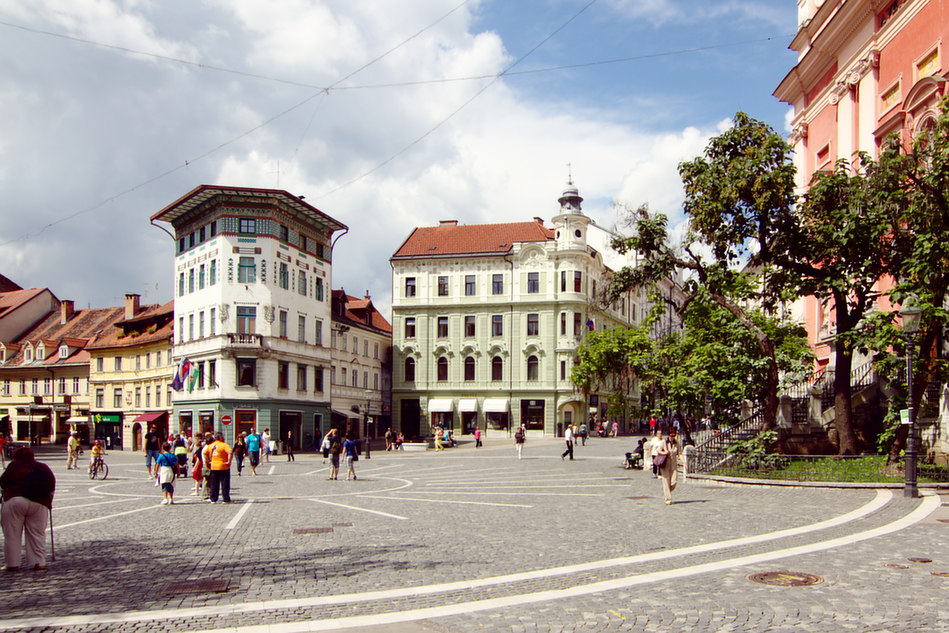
(398, 84)
(461, 107)
(187, 163)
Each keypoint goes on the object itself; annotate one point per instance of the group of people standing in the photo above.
(333, 447)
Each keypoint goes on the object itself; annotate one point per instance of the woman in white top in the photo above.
(654, 444)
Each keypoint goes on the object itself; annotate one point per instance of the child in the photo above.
(98, 450)
(197, 468)
(167, 467)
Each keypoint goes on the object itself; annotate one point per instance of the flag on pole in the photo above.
(182, 374)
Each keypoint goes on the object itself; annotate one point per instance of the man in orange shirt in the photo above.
(218, 455)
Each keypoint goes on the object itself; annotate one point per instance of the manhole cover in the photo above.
(785, 578)
(317, 530)
(941, 574)
(896, 565)
(638, 498)
(196, 586)
(917, 559)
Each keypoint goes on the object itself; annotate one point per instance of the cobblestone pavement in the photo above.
(475, 540)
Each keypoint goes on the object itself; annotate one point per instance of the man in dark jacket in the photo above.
(28, 487)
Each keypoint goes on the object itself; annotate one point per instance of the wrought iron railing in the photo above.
(713, 452)
(822, 468)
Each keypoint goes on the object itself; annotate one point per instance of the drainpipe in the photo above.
(510, 345)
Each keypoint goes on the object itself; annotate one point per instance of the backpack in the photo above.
(336, 448)
(519, 436)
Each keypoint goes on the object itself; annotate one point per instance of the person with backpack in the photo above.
(519, 441)
(336, 448)
(27, 491)
(167, 467)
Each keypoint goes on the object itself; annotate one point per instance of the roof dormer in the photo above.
(28, 353)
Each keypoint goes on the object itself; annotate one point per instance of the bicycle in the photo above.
(99, 469)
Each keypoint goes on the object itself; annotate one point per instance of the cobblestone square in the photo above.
(472, 540)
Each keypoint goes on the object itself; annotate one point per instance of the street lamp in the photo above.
(910, 314)
(366, 419)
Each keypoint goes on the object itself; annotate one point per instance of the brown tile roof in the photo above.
(13, 299)
(84, 325)
(473, 239)
(152, 323)
(8, 286)
(354, 312)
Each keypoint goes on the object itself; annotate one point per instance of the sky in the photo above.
(385, 114)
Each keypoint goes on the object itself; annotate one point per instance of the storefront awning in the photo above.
(151, 416)
(346, 414)
(495, 405)
(468, 405)
(440, 405)
(78, 419)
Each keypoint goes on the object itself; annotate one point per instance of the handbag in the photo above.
(660, 460)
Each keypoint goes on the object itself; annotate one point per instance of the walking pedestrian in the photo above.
(72, 448)
(519, 442)
(218, 455)
(336, 448)
(654, 444)
(180, 448)
(265, 444)
(477, 436)
(167, 466)
(349, 447)
(568, 436)
(240, 451)
(253, 451)
(151, 449)
(28, 487)
(389, 437)
(325, 446)
(615, 428)
(288, 446)
(584, 431)
(669, 461)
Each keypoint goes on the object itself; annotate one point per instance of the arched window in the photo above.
(442, 369)
(470, 368)
(497, 368)
(409, 369)
(532, 368)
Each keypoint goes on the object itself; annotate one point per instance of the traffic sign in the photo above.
(225, 419)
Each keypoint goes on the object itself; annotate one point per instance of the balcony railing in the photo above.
(245, 340)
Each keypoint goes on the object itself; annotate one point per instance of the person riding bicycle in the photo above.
(98, 450)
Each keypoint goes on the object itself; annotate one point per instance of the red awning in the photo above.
(151, 416)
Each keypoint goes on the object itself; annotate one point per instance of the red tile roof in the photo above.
(473, 239)
(84, 325)
(354, 312)
(150, 324)
(8, 286)
(13, 299)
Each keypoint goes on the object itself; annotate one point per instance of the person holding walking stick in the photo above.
(27, 491)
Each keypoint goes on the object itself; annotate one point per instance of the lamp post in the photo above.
(366, 419)
(910, 314)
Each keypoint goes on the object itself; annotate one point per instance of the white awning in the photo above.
(495, 405)
(78, 419)
(440, 405)
(468, 405)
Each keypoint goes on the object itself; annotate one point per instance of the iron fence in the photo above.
(812, 468)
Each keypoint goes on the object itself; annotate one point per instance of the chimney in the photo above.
(131, 305)
(539, 221)
(448, 223)
(66, 310)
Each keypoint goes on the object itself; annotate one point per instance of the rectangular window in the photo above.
(181, 284)
(342, 375)
(301, 377)
(283, 375)
(282, 323)
(343, 341)
(138, 362)
(158, 396)
(36, 386)
(319, 289)
(191, 280)
(118, 363)
(563, 281)
(563, 370)
(443, 327)
(318, 379)
(365, 379)
(138, 397)
(100, 398)
(303, 243)
(247, 226)
(201, 277)
(319, 331)
(148, 361)
(284, 233)
(355, 344)
(201, 234)
(6, 387)
(23, 386)
(410, 286)
(212, 273)
(62, 386)
(246, 319)
(533, 283)
(246, 270)
(355, 376)
(211, 325)
(75, 385)
(181, 244)
(117, 398)
(181, 329)
(148, 397)
(577, 324)
(577, 281)
(47, 386)
(246, 372)
(199, 382)
(497, 325)
(201, 324)
(563, 324)
(301, 283)
(190, 327)
(470, 287)
(99, 364)
(301, 328)
(213, 233)
(443, 286)
(212, 375)
(410, 327)
(533, 325)
(928, 64)
(375, 350)
(284, 278)
(469, 326)
(497, 284)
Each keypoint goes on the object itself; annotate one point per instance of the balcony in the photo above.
(248, 341)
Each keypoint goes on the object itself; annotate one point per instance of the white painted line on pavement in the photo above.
(540, 487)
(89, 505)
(272, 468)
(491, 491)
(108, 516)
(471, 503)
(340, 505)
(240, 514)
(930, 503)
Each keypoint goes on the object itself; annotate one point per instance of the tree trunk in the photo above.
(843, 413)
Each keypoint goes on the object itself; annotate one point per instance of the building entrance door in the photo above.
(411, 418)
(290, 423)
(532, 414)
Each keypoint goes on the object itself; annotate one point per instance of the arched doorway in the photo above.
(136, 437)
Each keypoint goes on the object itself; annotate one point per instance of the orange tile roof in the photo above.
(354, 311)
(135, 331)
(84, 325)
(473, 239)
(9, 301)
